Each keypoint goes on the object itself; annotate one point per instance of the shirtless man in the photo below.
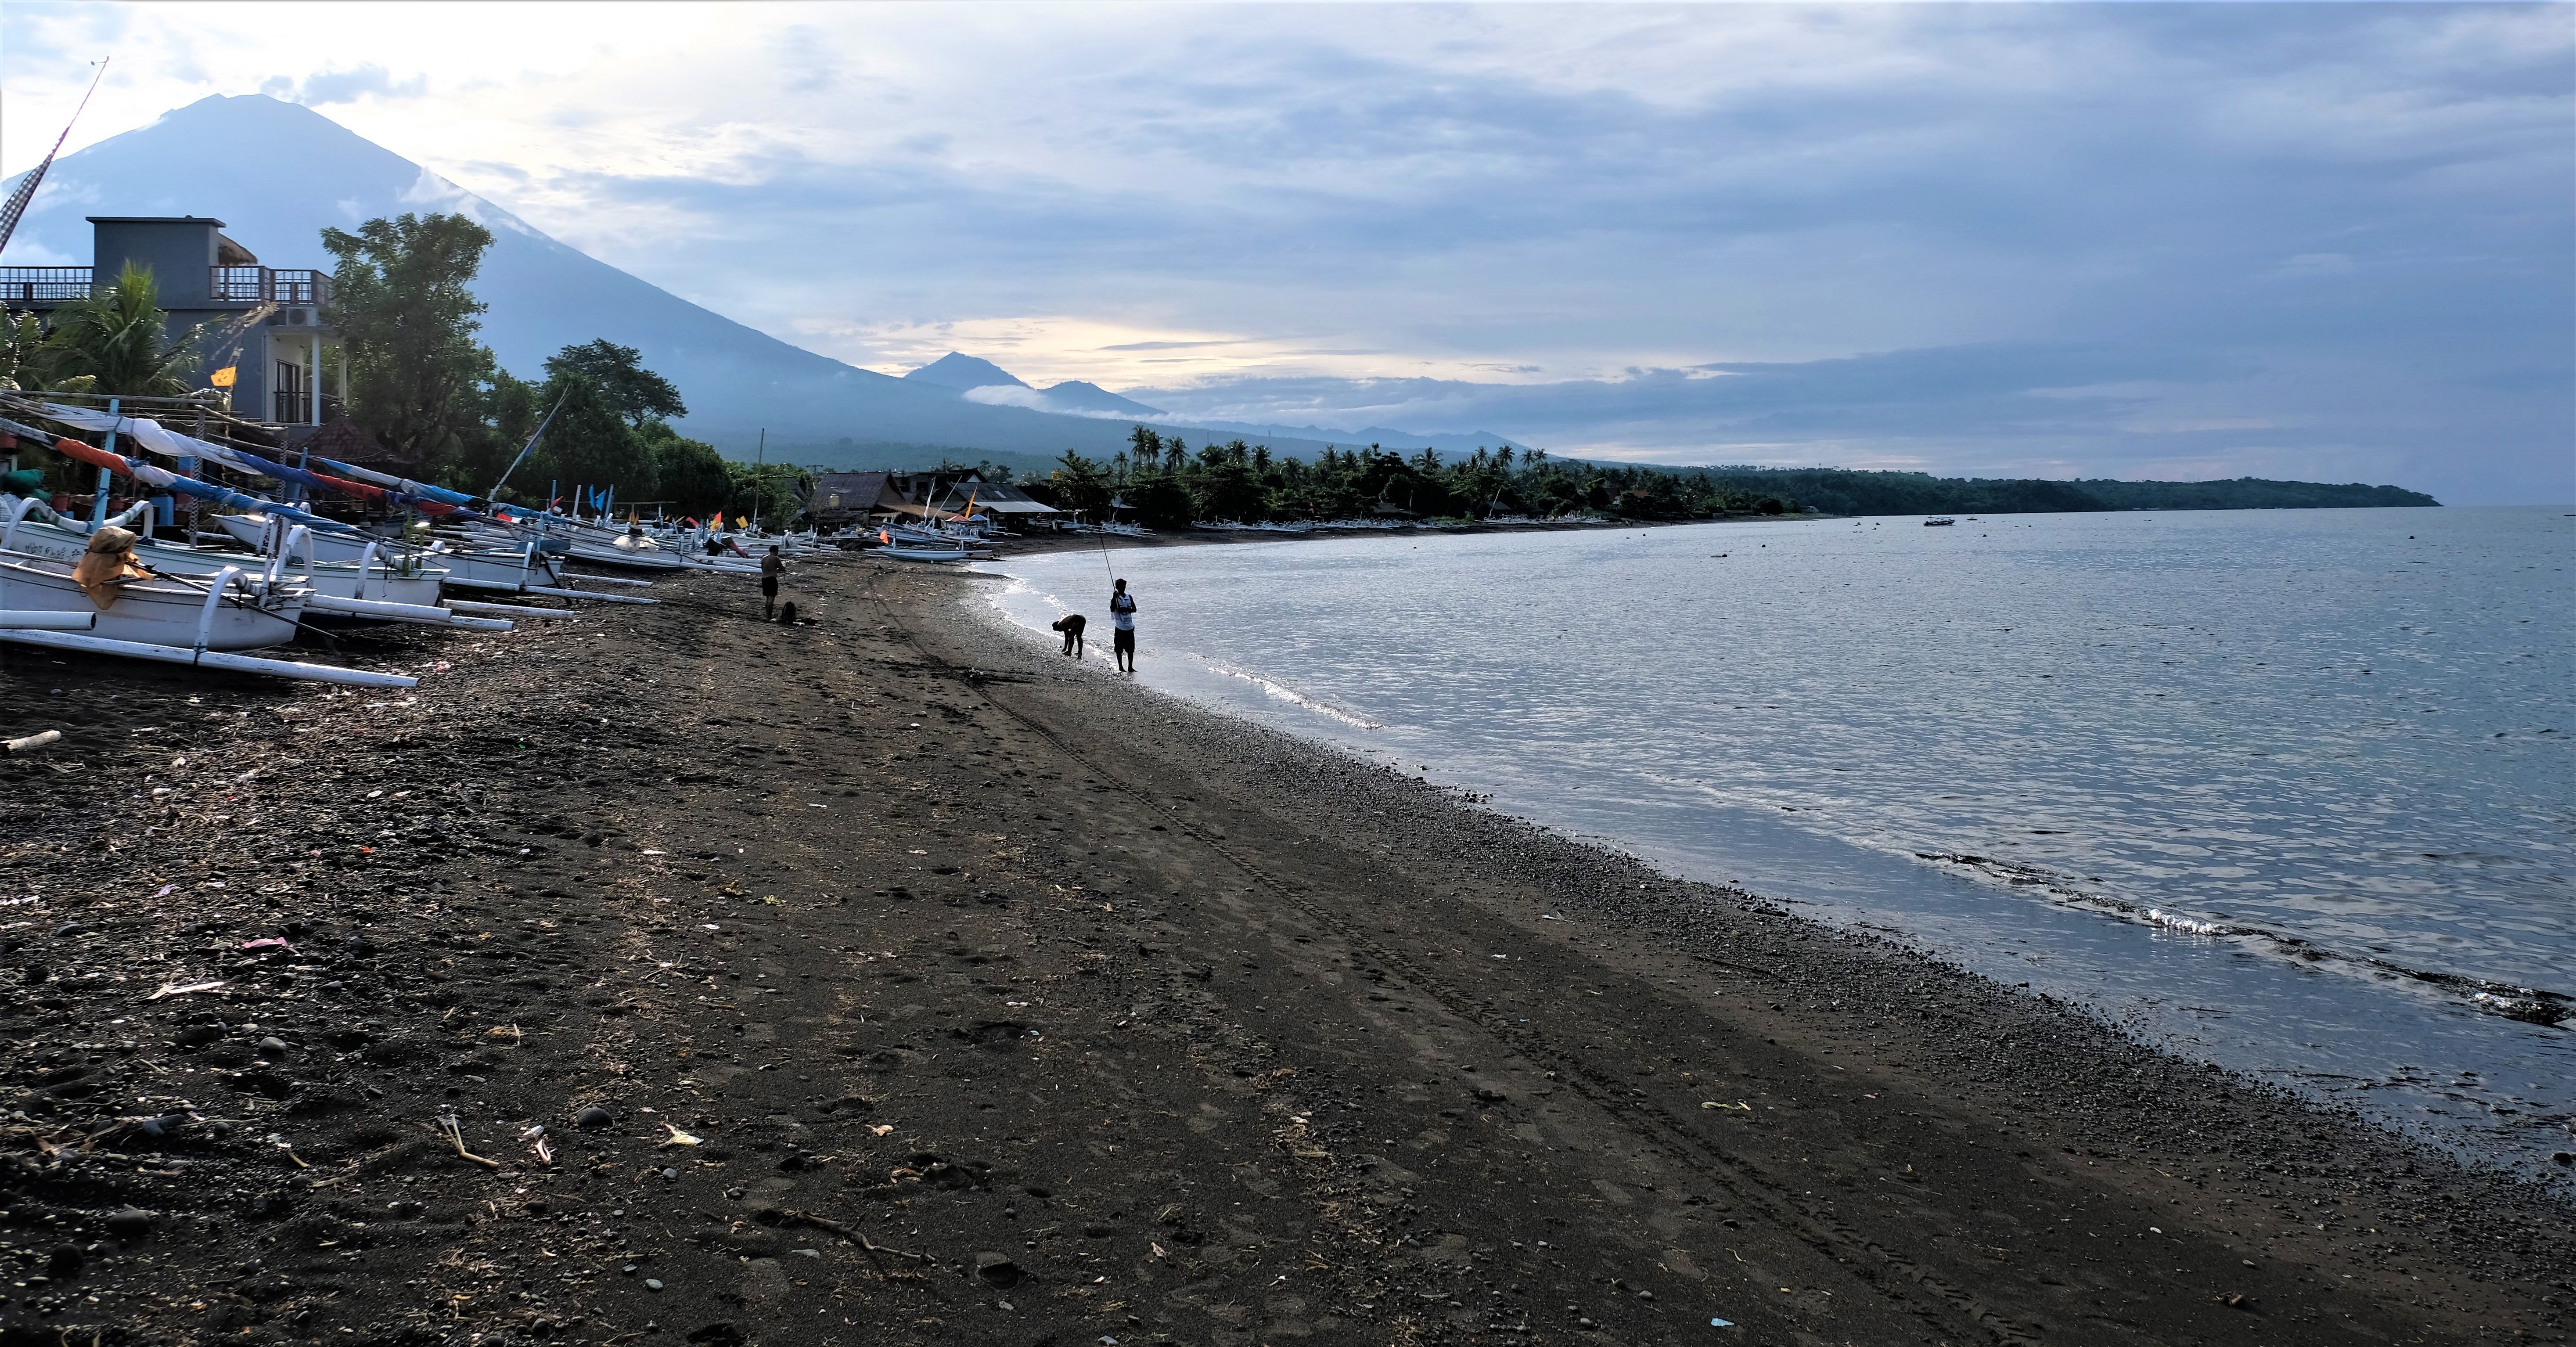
(772, 566)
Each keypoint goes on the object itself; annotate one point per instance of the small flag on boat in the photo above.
(742, 521)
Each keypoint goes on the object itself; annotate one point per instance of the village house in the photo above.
(1015, 508)
(267, 341)
(859, 499)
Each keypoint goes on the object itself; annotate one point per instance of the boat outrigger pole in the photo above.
(494, 494)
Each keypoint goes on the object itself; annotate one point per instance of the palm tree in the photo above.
(21, 338)
(118, 341)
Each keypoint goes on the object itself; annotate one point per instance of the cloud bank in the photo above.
(2317, 240)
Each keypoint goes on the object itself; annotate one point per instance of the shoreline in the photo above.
(2525, 1131)
(1063, 980)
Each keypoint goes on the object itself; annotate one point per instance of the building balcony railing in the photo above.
(300, 286)
(289, 287)
(46, 285)
(294, 407)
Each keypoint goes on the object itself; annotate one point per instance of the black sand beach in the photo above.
(929, 988)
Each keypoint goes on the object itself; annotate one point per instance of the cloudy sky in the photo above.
(2306, 241)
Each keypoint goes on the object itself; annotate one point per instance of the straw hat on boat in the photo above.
(108, 563)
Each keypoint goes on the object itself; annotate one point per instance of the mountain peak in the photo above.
(956, 370)
(1081, 395)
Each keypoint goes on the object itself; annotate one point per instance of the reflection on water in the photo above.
(2290, 789)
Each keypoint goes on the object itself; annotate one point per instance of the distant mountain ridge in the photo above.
(958, 370)
(1085, 396)
(986, 382)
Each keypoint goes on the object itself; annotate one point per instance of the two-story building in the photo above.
(265, 324)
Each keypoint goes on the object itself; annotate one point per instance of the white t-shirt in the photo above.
(1122, 611)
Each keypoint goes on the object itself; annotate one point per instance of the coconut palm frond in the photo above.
(119, 339)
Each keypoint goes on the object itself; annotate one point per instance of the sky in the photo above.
(2143, 240)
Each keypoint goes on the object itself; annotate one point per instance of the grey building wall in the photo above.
(182, 252)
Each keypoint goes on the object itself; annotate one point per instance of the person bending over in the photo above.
(1071, 624)
(1122, 617)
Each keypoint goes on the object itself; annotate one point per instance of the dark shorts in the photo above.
(769, 586)
(1123, 639)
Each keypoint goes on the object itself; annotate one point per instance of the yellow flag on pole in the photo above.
(222, 378)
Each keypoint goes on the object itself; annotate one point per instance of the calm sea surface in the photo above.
(2288, 790)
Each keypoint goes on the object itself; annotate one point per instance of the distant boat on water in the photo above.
(1939, 521)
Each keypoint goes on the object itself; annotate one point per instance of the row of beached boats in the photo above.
(272, 568)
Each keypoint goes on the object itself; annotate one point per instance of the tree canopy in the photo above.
(632, 391)
(419, 381)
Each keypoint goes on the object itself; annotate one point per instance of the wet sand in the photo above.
(1006, 1002)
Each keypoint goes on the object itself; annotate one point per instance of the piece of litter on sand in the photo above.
(184, 991)
(1721, 1323)
(1550, 916)
(678, 1137)
(881, 1129)
(33, 742)
(456, 1136)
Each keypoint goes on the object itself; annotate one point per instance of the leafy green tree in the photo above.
(775, 493)
(690, 473)
(1228, 489)
(637, 393)
(1160, 502)
(508, 409)
(1078, 485)
(590, 444)
(402, 302)
(117, 340)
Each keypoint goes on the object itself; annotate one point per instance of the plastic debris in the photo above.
(677, 1137)
(456, 1134)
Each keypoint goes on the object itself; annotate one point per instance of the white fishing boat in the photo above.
(455, 565)
(377, 581)
(919, 552)
(232, 610)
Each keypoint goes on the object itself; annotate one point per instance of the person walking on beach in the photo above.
(1122, 619)
(771, 567)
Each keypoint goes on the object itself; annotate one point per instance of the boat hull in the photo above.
(340, 580)
(153, 612)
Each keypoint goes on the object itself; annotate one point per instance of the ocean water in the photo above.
(2285, 790)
